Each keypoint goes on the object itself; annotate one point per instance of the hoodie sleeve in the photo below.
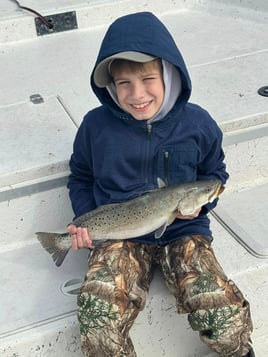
(212, 164)
(80, 182)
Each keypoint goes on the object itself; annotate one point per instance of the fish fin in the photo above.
(160, 231)
(185, 211)
(51, 243)
(161, 183)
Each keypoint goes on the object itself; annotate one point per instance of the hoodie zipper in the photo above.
(149, 130)
(147, 165)
(166, 166)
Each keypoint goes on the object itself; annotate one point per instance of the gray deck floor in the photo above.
(225, 47)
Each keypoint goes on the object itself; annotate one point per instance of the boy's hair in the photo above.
(136, 67)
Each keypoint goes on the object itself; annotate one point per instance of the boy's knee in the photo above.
(94, 312)
(225, 330)
(209, 290)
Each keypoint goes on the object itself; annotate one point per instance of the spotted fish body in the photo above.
(151, 212)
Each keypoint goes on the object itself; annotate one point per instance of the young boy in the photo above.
(146, 129)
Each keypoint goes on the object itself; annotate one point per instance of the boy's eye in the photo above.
(148, 78)
(121, 82)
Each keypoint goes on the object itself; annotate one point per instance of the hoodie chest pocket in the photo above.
(178, 164)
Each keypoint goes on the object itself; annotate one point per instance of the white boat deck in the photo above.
(225, 45)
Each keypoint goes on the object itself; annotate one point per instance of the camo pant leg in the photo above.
(216, 307)
(114, 292)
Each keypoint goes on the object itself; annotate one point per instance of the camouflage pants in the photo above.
(117, 282)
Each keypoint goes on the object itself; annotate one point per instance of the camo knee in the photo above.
(226, 330)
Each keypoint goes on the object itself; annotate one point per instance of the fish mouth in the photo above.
(219, 189)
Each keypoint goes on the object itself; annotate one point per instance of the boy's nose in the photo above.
(137, 90)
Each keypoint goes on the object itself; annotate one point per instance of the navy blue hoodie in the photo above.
(116, 157)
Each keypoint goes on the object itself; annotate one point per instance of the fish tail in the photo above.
(53, 244)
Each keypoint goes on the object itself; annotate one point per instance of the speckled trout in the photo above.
(150, 212)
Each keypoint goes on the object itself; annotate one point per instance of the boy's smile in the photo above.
(140, 93)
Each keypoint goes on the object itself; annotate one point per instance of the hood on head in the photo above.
(145, 34)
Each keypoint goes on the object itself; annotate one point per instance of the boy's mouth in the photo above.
(141, 106)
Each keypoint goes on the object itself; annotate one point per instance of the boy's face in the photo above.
(140, 92)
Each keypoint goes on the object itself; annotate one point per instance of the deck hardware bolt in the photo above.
(36, 98)
(263, 91)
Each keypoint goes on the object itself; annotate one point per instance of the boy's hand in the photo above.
(80, 237)
(190, 216)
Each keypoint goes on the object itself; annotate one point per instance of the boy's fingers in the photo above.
(72, 229)
(86, 239)
(74, 242)
(80, 238)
